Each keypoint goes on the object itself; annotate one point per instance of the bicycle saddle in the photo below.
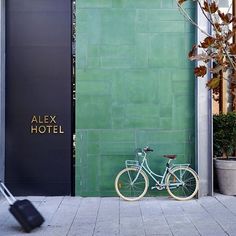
(170, 156)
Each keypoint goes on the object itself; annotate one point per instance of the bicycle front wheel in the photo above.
(131, 184)
(182, 183)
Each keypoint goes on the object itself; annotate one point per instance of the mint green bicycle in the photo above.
(132, 183)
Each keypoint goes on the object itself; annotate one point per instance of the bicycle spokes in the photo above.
(131, 184)
(182, 183)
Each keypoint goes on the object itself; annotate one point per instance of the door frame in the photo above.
(2, 90)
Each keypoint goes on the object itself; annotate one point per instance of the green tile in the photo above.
(94, 51)
(119, 93)
(165, 90)
(190, 154)
(81, 145)
(111, 165)
(121, 51)
(143, 110)
(141, 49)
(183, 87)
(82, 51)
(93, 87)
(142, 4)
(167, 26)
(94, 3)
(165, 45)
(96, 114)
(90, 181)
(189, 42)
(107, 63)
(175, 148)
(118, 123)
(93, 136)
(142, 20)
(170, 15)
(168, 3)
(183, 75)
(93, 148)
(160, 136)
(93, 62)
(118, 111)
(118, 27)
(83, 27)
(81, 16)
(166, 110)
(117, 148)
(92, 74)
(116, 136)
(141, 122)
(183, 122)
(166, 123)
(187, 106)
(135, 81)
(189, 28)
(117, 3)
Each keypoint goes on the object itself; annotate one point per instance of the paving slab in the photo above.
(94, 216)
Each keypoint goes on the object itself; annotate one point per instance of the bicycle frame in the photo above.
(156, 177)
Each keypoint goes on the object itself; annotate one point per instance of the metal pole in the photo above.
(203, 127)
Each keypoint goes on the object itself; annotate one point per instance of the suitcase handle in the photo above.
(6, 193)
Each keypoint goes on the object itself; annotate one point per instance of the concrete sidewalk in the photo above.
(76, 216)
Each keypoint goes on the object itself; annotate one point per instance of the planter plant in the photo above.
(224, 135)
(217, 56)
(224, 147)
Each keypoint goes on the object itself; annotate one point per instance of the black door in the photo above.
(38, 97)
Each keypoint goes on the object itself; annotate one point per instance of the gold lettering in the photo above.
(55, 129)
(44, 126)
(53, 119)
(34, 119)
(40, 120)
(60, 130)
(46, 119)
(42, 129)
(49, 128)
(34, 129)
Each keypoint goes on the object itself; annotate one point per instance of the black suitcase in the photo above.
(23, 210)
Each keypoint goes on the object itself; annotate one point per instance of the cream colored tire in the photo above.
(190, 179)
(128, 191)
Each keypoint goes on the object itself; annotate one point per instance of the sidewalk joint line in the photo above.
(74, 217)
(97, 216)
(215, 220)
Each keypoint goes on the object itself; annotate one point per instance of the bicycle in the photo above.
(132, 183)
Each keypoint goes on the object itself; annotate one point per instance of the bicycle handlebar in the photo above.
(147, 149)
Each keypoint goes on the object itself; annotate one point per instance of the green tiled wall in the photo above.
(135, 87)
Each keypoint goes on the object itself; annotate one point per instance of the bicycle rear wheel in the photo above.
(182, 183)
(127, 188)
